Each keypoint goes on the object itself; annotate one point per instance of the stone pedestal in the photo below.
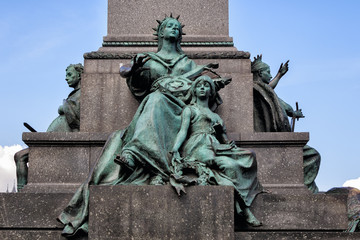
(156, 212)
(205, 22)
(299, 211)
(107, 104)
(60, 162)
(31, 215)
(279, 157)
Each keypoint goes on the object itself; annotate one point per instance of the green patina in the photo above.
(271, 114)
(69, 112)
(67, 121)
(163, 83)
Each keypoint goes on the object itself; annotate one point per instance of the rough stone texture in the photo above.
(205, 20)
(32, 210)
(26, 216)
(36, 234)
(60, 162)
(156, 212)
(108, 105)
(296, 235)
(300, 212)
(279, 158)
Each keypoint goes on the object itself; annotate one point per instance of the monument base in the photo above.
(156, 212)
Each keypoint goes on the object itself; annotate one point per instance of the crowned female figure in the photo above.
(139, 154)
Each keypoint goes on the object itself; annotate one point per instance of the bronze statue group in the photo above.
(175, 136)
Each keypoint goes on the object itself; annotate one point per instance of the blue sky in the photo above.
(321, 38)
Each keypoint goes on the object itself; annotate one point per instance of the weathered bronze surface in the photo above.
(67, 121)
(163, 83)
(271, 114)
(69, 113)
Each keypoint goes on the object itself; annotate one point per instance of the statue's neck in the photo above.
(256, 77)
(202, 102)
(77, 86)
(168, 49)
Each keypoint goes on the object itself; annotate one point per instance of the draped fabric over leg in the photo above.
(311, 159)
(230, 165)
(270, 116)
(149, 138)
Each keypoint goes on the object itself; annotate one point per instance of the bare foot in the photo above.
(251, 219)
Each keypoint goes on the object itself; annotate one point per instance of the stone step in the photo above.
(295, 211)
(156, 212)
(296, 235)
(202, 211)
(32, 210)
(35, 234)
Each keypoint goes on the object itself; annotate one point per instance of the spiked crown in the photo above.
(161, 24)
(257, 64)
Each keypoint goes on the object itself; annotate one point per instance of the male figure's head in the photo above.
(73, 75)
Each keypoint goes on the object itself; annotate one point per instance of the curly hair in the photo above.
(79, 68)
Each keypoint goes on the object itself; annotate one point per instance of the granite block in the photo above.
(35, 234)
(229, 66)
(156, 212)
(237, 109)
(300, 212)
(107, 103)
(204, 19)
(32, 210)
(296, 235)
(60, 162)
(279, 157)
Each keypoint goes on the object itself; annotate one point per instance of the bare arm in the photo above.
(181, 136)
(282, 71)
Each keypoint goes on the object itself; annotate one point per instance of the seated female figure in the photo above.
(202, 138)
(161, 82)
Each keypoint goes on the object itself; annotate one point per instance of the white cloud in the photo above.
(352, 183)
(7, 166)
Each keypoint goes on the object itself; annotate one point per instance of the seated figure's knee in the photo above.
(22, 156)
(21, 159)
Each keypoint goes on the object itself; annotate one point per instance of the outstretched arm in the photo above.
(282, 71)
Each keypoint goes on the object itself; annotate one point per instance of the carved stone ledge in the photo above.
(208, 55)
(154, 43)
(64, 138)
